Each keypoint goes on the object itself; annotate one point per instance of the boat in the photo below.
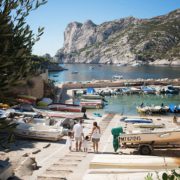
(2, 114)
(91, 67)
(116, 77)
(97, 114)
(171, 90)
(25, 113)
(148, 125)
(135, 64)
(50, 113)
(92, 96)
(38, 131)
(55, 75)
(152, 109)
(148, 90)
(174, 109)
(91, 105)
(155, 136)
(65, 107)
(4, 106)
(128, 90)
(137, 120)
(29, 98)
(100, 101)
(74, 72)
(134, 90)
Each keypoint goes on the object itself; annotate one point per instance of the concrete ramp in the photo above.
(133, 162)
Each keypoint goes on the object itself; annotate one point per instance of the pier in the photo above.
(66, 94)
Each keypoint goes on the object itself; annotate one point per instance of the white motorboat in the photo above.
(155, 136)
(116, 77)
(39, 131)
(92, 96)
(152, 109)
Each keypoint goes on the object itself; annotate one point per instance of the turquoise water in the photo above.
(125, 104)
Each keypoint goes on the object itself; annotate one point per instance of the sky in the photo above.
(55, 15)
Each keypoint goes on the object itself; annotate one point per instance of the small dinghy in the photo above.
(137, 120)
(148, 125)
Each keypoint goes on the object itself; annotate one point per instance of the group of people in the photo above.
(82, 141)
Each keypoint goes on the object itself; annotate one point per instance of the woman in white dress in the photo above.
(95, 136)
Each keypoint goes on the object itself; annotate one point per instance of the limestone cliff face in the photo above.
(124, 41)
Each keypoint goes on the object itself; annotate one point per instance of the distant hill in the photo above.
(125, 41)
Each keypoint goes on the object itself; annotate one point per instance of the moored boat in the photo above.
(174, 109)
(152, 109)
(92, 96)
(65, 107)
(148, 90)
(117, 77)
(91, 105)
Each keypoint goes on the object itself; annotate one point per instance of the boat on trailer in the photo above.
(146, 140)
(155, 136)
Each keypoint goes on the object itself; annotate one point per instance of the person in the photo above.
(69, 140)
(78, 134)
(174, 119)
(95, 136)
(142, 104)
(85, 143)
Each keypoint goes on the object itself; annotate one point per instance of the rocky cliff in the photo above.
(124, 41)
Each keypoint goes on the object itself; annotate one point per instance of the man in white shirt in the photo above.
(78, 134)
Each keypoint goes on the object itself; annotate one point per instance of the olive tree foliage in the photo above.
(16, 41)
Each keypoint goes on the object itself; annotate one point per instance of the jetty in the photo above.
(66, 93)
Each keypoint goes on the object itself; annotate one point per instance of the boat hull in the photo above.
(65, 107)
(151, 137)
(38, 132)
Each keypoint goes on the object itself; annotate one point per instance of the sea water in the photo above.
(88, 72)
(123, 104)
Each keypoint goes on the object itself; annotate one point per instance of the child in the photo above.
(69, 140)
(85, 143)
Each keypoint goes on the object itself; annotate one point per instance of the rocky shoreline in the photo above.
(128, 40)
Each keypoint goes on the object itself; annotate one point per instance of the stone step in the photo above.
(70, 160)
(60, 172)
(67, 158)
(75, 155)
(61, 168)
(51, 177)
(66, 164)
